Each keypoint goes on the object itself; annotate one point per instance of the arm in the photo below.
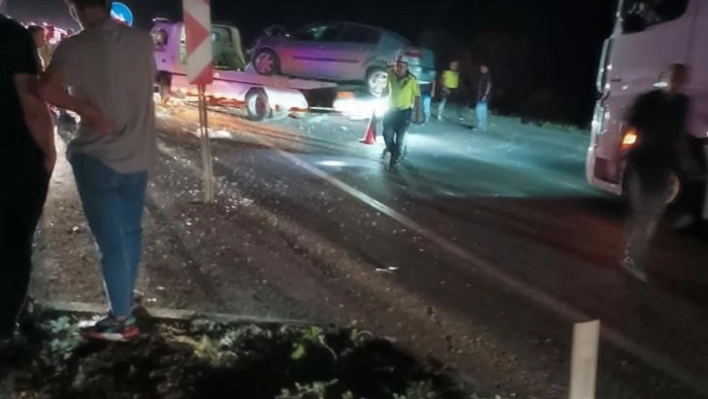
(25, 70)
(37, 117)
(52, 89)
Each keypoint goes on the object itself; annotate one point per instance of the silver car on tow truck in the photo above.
(339, 52)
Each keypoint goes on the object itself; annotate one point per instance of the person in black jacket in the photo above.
(28, 154)
(660, 118)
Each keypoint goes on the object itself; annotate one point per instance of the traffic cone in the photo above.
(370, 134)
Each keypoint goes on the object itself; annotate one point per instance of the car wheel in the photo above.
(376, 81)
(257, 105)
(266, 62)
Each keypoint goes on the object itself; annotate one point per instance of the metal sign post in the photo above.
(207, 164)
(200, 71)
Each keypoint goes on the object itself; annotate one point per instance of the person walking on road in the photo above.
(427, 92)
(404, 92)
(484, 91)
(113, 65)
(449, 85)
(660, 119)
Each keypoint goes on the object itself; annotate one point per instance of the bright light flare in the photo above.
(332, 163)
(630, 138)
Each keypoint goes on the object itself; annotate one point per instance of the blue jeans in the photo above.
(427, 107)
(395, 125)
(482, 112)
(113, 203)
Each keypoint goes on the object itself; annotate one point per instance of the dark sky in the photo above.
(577, 18)
(570, 32)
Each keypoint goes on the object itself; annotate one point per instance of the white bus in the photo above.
(648, 36)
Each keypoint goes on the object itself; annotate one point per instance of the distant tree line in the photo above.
(537, 78)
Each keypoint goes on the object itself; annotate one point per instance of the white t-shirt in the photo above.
(112, 66)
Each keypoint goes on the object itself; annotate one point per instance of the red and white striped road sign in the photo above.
(197, 22)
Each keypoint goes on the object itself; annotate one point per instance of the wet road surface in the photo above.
(483, 248)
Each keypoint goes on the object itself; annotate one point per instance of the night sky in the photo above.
(572, 30)
(580, 18)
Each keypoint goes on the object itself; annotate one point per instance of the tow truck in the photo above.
(237, 85)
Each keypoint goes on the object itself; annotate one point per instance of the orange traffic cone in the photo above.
(370, 134)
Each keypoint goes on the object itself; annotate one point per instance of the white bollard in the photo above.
(583, 368)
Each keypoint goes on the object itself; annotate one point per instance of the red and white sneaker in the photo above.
(111, 328)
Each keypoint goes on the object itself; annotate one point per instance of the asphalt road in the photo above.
(491, 242)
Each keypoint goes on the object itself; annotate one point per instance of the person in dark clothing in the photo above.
(484, 91)
(28, 155)
(660, 119)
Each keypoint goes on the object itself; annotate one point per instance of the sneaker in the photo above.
(110, 328)
(631, 267)
(138, 299)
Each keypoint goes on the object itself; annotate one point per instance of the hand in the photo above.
(94, 119)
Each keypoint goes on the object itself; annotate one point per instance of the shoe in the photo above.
(110, 328)
(138, 299)
(638, 272)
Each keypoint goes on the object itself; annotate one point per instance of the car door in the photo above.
(352, 50)
(305, 53)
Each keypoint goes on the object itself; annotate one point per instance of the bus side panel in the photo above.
(698, 87)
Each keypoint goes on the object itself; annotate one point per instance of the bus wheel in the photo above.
(257, 105)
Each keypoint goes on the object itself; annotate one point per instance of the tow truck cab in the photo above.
(172, 54)
(648, 36)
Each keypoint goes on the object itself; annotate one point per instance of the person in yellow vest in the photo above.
(449, 84)
(404, 93)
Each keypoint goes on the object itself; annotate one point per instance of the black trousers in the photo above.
(24, 186)
(395, 125)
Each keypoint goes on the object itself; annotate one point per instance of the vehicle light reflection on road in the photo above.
(332, 163)
(359, 107)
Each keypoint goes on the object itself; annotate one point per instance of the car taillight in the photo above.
(413, 54)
